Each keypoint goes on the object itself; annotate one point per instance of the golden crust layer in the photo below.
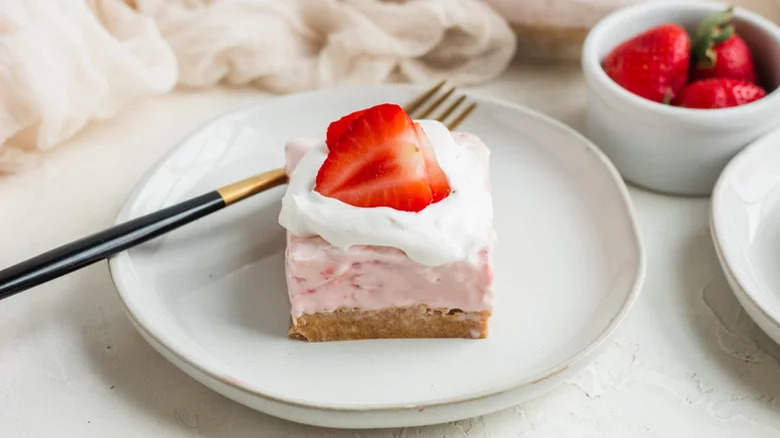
(393, 322)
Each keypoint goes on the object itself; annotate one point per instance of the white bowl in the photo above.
(667, 148)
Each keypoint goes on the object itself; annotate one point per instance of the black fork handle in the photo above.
(103, 244)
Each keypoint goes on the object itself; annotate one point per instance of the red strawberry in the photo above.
(718, 93)
(336, 129)
(653, 64)
(720, 53)
(437, 180)
(380, 160)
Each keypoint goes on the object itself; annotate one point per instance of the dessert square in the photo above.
(356, 272)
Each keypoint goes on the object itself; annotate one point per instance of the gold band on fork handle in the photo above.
(254, 184)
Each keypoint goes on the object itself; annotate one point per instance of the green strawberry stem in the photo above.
(712, 31)
(668, 96)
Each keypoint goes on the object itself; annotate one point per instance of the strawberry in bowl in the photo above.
(719, 52)
(718, 93)
(653, 64)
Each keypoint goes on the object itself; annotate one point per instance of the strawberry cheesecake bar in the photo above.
(389, 230)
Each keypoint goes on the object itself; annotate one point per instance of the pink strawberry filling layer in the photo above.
(323, 278)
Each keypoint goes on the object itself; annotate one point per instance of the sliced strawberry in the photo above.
(437, 180)
(336, 129)
(377, 161)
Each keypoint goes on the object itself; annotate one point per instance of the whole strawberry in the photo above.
(718, 52)
(653, 64)
(718, 93)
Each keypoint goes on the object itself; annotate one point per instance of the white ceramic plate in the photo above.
(746, 229)
(211, 297)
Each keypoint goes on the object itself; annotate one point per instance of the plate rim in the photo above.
(573, 361)
(726, 260)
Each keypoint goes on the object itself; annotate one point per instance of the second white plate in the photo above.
(211, 296)
(745, 224)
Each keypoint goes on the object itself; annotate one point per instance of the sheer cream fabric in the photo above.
(66, 62)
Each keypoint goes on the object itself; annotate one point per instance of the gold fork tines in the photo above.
(414, 108)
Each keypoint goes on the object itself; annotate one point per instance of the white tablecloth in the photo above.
(687, 362)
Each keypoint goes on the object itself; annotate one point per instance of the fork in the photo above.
(103, 244)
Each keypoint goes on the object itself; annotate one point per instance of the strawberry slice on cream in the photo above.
(381, 158)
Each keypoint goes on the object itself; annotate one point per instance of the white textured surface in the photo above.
(687, 362)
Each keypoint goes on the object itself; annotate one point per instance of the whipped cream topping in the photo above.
(448, 231)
